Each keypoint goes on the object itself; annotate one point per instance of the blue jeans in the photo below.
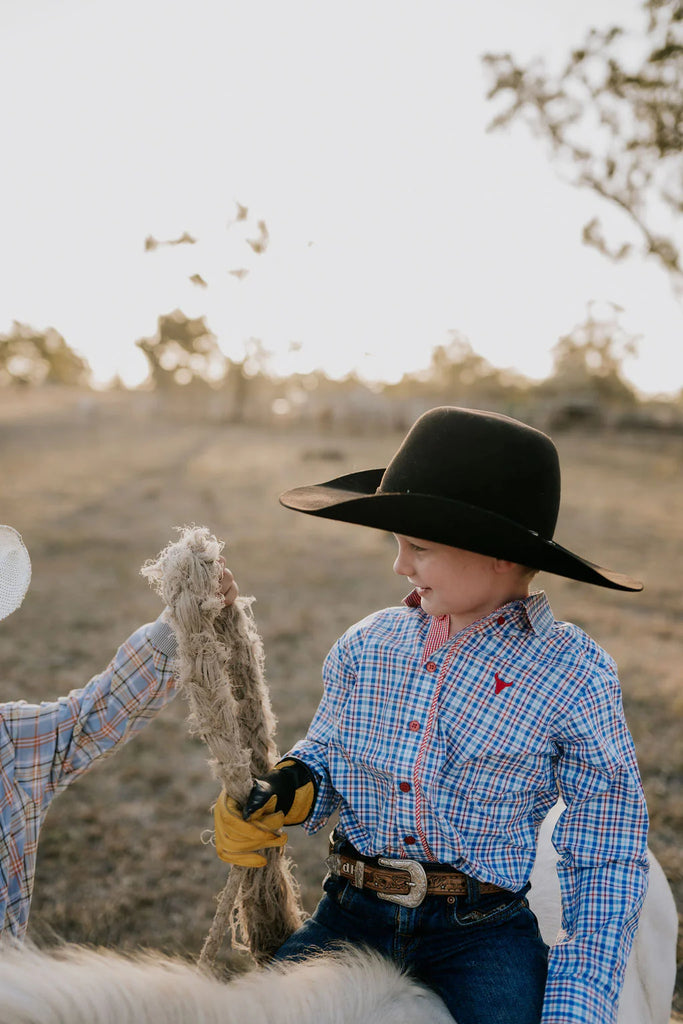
(482, 954)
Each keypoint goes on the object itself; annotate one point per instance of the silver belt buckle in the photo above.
(417, 883)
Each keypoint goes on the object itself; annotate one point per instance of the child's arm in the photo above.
(55, 742)
(339, 677)
(313, 797)
(602, 841)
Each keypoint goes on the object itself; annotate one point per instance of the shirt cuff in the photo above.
(162, 637)
(326, 797)
(571, 1001)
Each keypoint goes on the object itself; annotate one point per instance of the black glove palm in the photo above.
(289, 787)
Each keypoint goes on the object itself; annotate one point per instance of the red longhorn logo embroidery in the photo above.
(500, 685)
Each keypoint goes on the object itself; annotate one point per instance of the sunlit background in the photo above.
(315, 184)
(356, 132)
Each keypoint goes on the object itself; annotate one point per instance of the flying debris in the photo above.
(260, 244)
(239, 274)
(152, 243)
(242, 212)
(198, 280)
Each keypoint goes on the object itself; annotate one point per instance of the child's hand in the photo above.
(228, 586)
(289, 788)
(238, 841)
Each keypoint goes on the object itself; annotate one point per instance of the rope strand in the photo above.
(220, 665)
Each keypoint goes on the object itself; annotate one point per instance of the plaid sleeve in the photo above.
(602, 841)
(339, 678)
(56, 741)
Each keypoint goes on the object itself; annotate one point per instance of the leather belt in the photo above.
(402, 881)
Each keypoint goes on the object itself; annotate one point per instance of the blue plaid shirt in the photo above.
(454, 750)
(44, 747)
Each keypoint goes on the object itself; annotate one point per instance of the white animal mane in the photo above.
(76, 985)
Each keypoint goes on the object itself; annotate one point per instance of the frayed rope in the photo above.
(219, 670)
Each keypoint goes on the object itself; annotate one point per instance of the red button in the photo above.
(414, 726)
(431, 666)
(409, 840)
(404, 787)
(500, 620)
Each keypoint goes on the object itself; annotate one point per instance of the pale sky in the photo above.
(355, 130)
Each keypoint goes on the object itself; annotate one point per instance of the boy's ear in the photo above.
(502, 565)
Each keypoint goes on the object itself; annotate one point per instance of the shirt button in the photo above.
(501, 620)
(414, 726)
(409, 840)
(430, 666)
(404, 787)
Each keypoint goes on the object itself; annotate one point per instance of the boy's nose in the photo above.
(400, 567)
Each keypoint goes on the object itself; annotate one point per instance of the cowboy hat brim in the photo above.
(354, 498)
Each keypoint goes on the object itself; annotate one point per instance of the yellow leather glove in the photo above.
(289, 787)
(238, 840)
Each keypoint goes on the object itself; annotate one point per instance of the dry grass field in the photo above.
(96, 486)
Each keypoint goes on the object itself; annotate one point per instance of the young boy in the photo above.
(45, 747)
(447, 730)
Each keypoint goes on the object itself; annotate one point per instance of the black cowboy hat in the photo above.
(471, 479)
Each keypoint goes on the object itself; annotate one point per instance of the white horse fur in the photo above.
(74, 985)
(80, 986)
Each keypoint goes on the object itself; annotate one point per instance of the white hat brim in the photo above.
(15, 570)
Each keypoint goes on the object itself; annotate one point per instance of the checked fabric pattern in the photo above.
(454, 751)
(44, 747)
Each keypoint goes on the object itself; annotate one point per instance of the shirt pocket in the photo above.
(495, 776)
(501, 788)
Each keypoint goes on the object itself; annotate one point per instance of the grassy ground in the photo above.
(97, 486)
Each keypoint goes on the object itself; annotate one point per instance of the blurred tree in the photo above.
(457, 371)
(588, 362)
(614, 117)
(32, 357)
(183, 351)
(244, 376)
(456, 366)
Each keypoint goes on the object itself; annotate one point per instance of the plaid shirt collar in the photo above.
(532, 612)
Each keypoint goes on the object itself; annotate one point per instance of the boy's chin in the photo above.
(430, 604)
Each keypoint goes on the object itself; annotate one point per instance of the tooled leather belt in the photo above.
(402, 881)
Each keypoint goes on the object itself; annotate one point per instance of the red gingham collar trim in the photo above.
(535, 607)
(439, 627)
